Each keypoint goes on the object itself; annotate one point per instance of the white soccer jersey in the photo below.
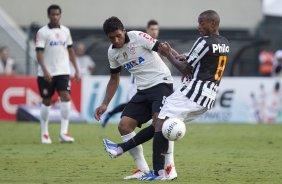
(138, 58)
(55, 42)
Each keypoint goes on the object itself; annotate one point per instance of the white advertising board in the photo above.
(239, 100)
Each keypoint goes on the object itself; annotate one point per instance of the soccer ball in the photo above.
(173, 129)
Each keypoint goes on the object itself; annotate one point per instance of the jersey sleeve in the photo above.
(115, 67)
(69, 38)
(40, 40)
(199, 49)
(146, 40)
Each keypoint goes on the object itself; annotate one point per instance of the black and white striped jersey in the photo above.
(208, 58)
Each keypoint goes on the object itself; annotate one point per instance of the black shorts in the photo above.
(146, 102)
(59, 83)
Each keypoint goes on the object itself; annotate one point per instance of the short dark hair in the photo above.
(152, 23)
(53, 7)
(112, 24)
(211, 15)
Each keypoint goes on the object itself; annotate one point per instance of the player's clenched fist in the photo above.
(165, 49)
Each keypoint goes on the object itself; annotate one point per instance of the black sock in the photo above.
(160, 146)
(118, 109)
(143, 136)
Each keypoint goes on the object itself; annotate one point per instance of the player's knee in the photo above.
(155, 116)
(158, 125)
(125, 128)
(46, 101)
(65, 96)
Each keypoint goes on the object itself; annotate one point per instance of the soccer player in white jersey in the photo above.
(153, 30)
(54, 51)
(136, 51)
(204, 68)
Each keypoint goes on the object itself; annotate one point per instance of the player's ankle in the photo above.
(119, 150)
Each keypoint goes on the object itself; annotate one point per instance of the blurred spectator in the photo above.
(266, 62)
(277, 65)
(7, 65)
(85, 64)
(273, 104)
(153, 29)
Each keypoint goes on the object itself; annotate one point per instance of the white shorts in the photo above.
(177, 105)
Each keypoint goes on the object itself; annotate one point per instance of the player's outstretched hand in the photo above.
(99, 111)
(188, 72)
(165, 49)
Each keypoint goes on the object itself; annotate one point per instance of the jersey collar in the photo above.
(126, 40)
(51, 27)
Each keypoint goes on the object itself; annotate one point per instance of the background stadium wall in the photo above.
(240, 99)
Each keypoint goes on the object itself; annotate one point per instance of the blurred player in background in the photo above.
(153, 30)
(137, 52)
(132, 91)
(7, 64)
(203, 68)
(85, 63)
(54, 51)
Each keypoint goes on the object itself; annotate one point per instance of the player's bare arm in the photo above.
(73, 61)
(174, 52)
(40, 59)
(110, 92)
(166, 50)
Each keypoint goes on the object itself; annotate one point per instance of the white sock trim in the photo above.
(126, 137)
(137, 153)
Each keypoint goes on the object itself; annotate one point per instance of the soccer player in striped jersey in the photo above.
(204, 68)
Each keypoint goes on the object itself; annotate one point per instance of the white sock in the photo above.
(44, 115)
(65, 113)
(137, 153)
(169, 158)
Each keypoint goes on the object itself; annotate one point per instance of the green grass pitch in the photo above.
(209, 153)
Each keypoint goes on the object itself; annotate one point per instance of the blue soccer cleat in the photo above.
(151, 176)
(105, 120)
(112, 148)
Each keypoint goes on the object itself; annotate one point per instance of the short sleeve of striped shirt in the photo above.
(199, 49)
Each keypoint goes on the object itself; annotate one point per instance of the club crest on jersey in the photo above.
(133, 63)
(131, 48)
(125, 56)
